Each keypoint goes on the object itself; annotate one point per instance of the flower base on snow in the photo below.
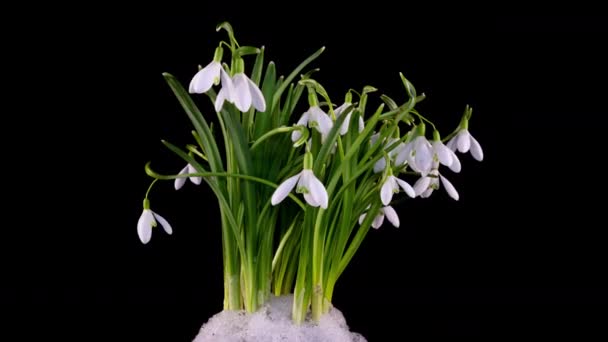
(273, 323)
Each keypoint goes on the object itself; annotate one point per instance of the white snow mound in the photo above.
(272, 323)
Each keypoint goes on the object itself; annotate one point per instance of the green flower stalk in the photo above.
(347, 163)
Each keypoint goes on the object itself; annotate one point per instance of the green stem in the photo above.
(156, 175)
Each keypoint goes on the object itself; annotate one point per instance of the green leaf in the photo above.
(262, 122)
(199, 122)
(277, 95)
(216, 190)
(321, 158)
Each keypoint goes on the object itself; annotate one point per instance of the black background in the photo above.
(522, 253)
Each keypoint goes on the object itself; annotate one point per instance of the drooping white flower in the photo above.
(344, 128)
(206, 77)
(147, 220)
(391, 186)
(463, 142)
(419, 155)
(308, 184)
(179, 182)
(387, 211)
(314, 117)
(446, 156)
(246, 93)
(380, 165)
(425, 185)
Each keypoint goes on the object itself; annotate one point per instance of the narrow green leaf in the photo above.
(328, 144)
(199, 122)
(277, 95)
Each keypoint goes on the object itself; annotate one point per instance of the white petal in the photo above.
(179, 182)
(324, 123)
(284, 189)
(361, 218)
(345, 123)
(311, 200)
(427, 193)
(476, 150)
(166, 226)
(219, 100)
(406, 187)
(424, 155)
(317, 190)
(455, 166)
(452, 143)
(391, 215)
(242, 95)
(295, 135)
(449, 188)
(259, 103)
(387, 191)
(374, 138)
(361, 124)
(443, 153)
(338, 111)
(195, 180)
(380, 165)
(144, 226)
(378, 220)
(228, 85)
(403, 154)
(421, 185)
(464, 141)
(204, 78)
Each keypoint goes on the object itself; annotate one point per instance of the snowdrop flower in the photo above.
(209, 75)
(391, 186)
(425, 185)
(314, 117)
(308, 184)
(387, 211)
(246, 92)
(149, 219)
(419, 155)
(344, 128)
(179, 182)
(380, 165)
(444, 155)
(464, 141)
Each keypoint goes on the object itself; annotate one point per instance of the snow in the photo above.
(272, 323)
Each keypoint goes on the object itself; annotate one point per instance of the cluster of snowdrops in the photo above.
(344, 161)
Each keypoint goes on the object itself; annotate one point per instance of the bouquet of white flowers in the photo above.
(346, 163)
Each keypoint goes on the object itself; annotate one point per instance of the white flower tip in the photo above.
(284, 189)
(179, 183)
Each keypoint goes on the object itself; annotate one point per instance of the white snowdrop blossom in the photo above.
(307, 184)
(344, 128)
(147, 220)
(314, 117)
(446, 156)
(247, 93)
(391, 186)
(206, 77)
(387, 211)
(425, 185)
(380, 165)
(419, 155)
(179, 182)
(463, 142)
